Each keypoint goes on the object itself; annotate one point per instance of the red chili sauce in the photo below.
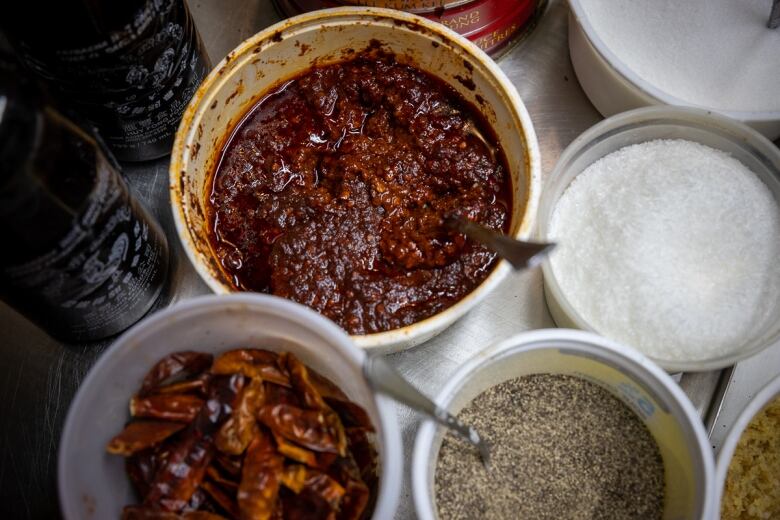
(332, 190)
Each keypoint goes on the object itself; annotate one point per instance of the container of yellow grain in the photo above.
(748, 468)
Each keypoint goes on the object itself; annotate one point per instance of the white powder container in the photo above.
(712, 54)
(689, 302)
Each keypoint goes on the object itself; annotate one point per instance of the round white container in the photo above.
(766, 395)
(291, 47)
(646, 124)
(93, 484)
(640, 384)
(613, 87)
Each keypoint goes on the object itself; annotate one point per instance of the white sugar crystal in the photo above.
(670, 246)
(715, 53)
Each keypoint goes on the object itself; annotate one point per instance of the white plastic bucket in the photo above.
(94, 485)
(291, 47)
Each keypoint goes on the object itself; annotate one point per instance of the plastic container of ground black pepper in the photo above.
(689, 468)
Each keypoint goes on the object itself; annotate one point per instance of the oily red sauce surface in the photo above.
(331, 193)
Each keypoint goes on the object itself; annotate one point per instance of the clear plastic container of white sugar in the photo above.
(642, 126)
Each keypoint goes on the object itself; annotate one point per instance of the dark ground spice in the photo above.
(562, 447)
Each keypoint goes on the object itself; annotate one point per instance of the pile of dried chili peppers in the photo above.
(249, 435)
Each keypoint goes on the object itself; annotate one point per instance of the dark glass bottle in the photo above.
(81, 257)
(129, 66)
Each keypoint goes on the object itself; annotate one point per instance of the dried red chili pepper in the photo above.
(201, 515)
(227, 504)
(320, 460)
(184, 473)
(325, 459)
(222, 398)
(189, 386)
(148, 513)
(231, 465)
(140, 467)
(251, 363)
(199, 500)
(362, 451)
(280, 394)
(314, 429)
(260, 475)
(324, 488)
(180, 476)
(304, 507)
(294, 452)
(169, 407)
(315, 486)
(215, 475)
(141, 435)
(344, 469)
(357, 493)
(351, 414)
(316, 483)
(355, 501)
(294, 477)
(178, 364)
(176, 481)
(299, 379)
(278, 513)
(325, 386)
(239, 430)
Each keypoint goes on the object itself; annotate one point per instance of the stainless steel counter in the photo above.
(39, 376)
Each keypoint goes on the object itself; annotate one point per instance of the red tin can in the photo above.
(410, 6)
(494, 25)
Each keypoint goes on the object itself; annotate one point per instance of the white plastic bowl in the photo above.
(613, 87)
(645, 124)
(93, 484)
(766, 395)
(635, 380)
(289, 48)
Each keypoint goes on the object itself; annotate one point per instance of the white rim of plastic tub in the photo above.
(648, 89)
(701, 118)
(729, 446)
(403, 337)
(552, 338)
(391, 473)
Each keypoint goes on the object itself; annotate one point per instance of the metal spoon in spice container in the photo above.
(521, 254)
(385, 379)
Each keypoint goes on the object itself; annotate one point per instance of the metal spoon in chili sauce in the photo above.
(385, 379)
(521, 254)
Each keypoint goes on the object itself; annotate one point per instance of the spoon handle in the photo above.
(385, 379)
(521, 254)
